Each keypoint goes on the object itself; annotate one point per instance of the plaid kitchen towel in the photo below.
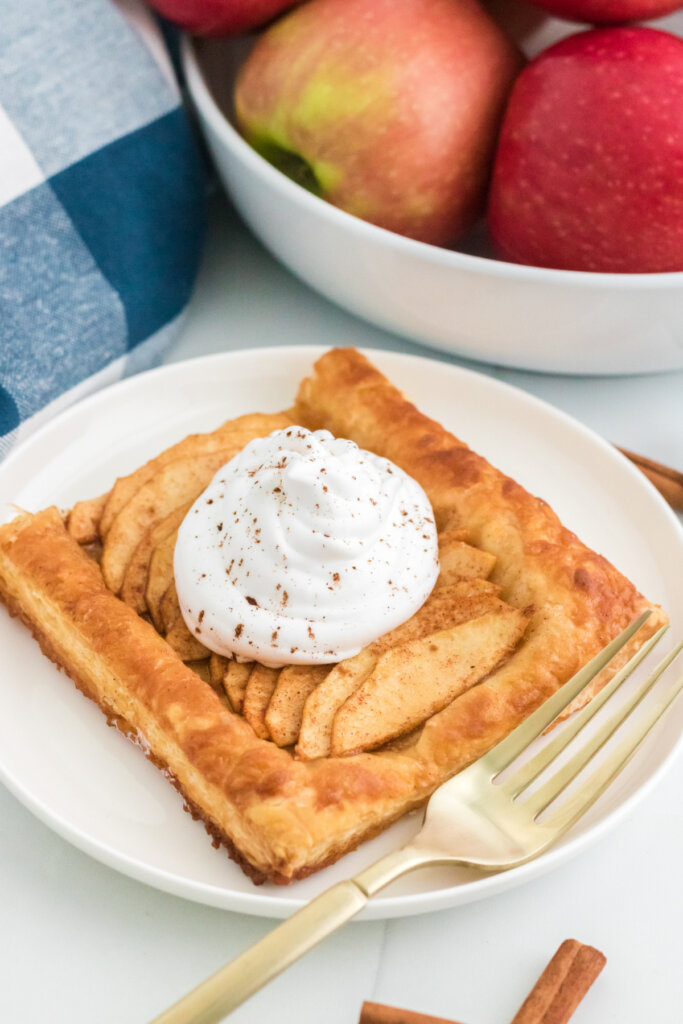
(101, 203)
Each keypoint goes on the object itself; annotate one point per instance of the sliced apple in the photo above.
(180, 481)
(445, 607)
(160, 577)
(84, 519)
(217, 668)
(232, 434)
(257, 696)
(459, 560)
(169, 608)
(285, 710)
(315, 734)
(235, 682)
(137, 571)
(414, 681)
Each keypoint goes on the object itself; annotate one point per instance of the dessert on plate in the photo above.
(312, 619)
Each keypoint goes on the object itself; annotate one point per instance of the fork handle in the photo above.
(222, 992)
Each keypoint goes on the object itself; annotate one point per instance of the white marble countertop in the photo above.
(83, 944)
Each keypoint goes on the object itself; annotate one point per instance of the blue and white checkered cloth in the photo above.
(101, 203)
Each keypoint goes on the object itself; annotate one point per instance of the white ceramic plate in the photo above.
(92, 786)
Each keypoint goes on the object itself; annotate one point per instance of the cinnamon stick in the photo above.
(668, 481)
(378, 1013)
(562, 986)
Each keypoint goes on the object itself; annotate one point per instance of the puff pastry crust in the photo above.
(279, 817)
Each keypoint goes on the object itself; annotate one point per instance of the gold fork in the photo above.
(470, 820)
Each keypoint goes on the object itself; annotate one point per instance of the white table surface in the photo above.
(81, 943)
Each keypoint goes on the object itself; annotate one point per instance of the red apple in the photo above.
(589, 168)
(608, 12)
(219, 17)
(387, 109)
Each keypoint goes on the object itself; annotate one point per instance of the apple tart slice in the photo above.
(291, 768)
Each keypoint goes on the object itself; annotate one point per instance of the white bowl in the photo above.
(464, 302)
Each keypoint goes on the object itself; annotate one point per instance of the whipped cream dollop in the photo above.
(303, 549)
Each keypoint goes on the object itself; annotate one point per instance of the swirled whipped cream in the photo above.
(303, 549)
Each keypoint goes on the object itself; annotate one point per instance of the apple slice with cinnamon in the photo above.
(417, 679)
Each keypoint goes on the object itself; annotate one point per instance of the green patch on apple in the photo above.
(289, 163)
(321, 108)
(338, 99)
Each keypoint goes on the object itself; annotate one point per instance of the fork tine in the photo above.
(592, 788)
(519, 739)
(533, 768)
